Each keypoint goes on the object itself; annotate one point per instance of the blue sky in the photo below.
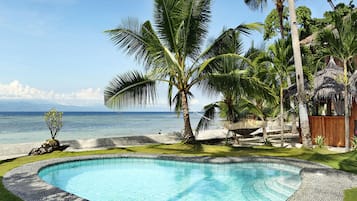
(56, 50)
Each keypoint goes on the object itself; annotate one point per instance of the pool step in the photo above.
(278, 185)
(272, 193)
(292, 182)
(274, 189)
(251, 194)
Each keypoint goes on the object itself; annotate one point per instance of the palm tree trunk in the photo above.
(280, 8)
(188, 134)
(281, 117)
(304, 119)
(293, 115)
(347, 117)
(265, 133)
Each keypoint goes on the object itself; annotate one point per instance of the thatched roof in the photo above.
(328, 83)
(292, 90)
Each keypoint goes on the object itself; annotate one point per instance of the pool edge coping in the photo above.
(24, 181)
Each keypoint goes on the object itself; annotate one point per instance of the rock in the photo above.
(48, 147)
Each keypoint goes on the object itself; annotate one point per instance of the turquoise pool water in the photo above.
(152, 179)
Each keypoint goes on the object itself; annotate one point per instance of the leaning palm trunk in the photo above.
(347, 117)
(304, 119)
(188, 134)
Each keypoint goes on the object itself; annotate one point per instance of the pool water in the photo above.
(153, 179)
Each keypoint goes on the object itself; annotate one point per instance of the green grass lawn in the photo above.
(345, 161)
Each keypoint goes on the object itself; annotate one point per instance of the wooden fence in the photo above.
(332, 128)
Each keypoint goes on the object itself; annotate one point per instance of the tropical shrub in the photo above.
(354, 143)
(320, 141)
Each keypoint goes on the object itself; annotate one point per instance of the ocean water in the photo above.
(21, 127)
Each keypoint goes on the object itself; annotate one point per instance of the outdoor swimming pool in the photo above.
(153, 179)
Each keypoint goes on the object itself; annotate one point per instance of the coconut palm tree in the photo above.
(234, 80)
(341, 43)
(280, 56)
(171, 53)
(261, 68)
(304, 120)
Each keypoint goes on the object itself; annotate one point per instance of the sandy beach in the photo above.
(8, 151)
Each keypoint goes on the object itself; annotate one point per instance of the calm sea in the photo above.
(19, 127)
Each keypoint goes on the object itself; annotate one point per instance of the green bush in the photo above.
(354, 143)
(320, 141)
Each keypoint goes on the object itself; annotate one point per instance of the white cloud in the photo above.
(194, 101)
(84, 97)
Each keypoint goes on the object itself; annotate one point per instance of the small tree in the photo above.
(54, 121)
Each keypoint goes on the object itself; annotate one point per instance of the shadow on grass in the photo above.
(121, 149)
(349, 164)
(172, 149)
(321, 158)
(7, 160)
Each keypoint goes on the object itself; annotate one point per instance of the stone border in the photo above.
(318, 182)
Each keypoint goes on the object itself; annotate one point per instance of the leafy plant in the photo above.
(54, 122)
(354, 142)
(320, 141)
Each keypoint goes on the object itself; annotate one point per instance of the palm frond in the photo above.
(199, 13)
(182, 24)
(251, 107)
(227, 42)
(207, 117)
(169, 93)
(177, 101)
(167, 20)
(142, 42)
(206, 67)
(341, 41)
(256, 4)
(248, 28)
(128, 89)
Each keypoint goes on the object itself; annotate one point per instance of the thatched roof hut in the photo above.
(329, 87)
(328, 83)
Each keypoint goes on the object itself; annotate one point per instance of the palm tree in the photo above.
(304, 119)
(171, 54)
(234, 80)
(279, 6)
(341, 43)
(261, 68)
(280, 57)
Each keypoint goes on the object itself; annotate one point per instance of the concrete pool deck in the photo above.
(319, 182)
